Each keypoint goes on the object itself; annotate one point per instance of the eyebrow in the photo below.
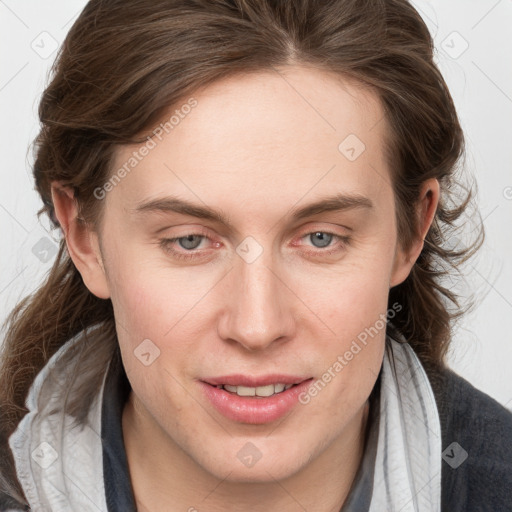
(171, 204)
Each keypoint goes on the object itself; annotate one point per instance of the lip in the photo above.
(253, 381)
(254, 410)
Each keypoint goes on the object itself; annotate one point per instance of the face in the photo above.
(266, 290)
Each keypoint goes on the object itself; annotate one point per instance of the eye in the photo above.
(186, 247)
(185, 244)
(322, 240)
(189, 241)
(323, 237)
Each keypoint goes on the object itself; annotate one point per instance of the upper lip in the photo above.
(254, 381)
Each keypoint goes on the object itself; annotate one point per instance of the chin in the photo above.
(248, 464)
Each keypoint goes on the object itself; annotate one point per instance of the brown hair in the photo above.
(121, 67)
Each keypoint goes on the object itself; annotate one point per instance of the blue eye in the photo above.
(325, 248)
(325, 240)
(185, 247)
(189, 242)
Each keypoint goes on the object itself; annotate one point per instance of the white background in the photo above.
(479, 77)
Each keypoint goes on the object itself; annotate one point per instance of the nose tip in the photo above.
(258, 308)
(256, 330)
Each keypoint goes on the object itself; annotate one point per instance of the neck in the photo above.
(164, 477)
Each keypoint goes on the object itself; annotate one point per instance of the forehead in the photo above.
(270, 137)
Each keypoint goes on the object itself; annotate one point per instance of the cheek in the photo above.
(149, 301)
(137, 309)
(352, 306)
(349, 298)
(145, 316)
(151, 294)
(153, 318)
(351, 364)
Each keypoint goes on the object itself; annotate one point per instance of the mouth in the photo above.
(256, 386)
(254, 400)
(257, 392)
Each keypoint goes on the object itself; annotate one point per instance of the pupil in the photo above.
(323, 236)
(189, 241)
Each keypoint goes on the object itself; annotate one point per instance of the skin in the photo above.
(254, 147)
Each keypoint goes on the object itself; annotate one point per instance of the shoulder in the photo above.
(477, 445)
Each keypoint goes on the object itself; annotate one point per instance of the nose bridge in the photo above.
(257, 308)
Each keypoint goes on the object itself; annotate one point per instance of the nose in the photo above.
(258, 307)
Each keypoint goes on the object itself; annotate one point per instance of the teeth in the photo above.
(269, 390)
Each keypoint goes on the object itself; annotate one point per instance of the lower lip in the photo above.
(252, 409)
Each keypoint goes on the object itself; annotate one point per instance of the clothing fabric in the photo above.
(433, 442)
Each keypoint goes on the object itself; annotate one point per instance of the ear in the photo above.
(427, 206)
(82, 242)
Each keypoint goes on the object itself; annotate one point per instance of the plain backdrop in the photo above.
(473, 49)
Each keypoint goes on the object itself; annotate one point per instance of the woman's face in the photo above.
(263, 288)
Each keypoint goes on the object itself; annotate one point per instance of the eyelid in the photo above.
(322, 228)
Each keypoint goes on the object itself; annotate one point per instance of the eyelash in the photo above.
(165, 243)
